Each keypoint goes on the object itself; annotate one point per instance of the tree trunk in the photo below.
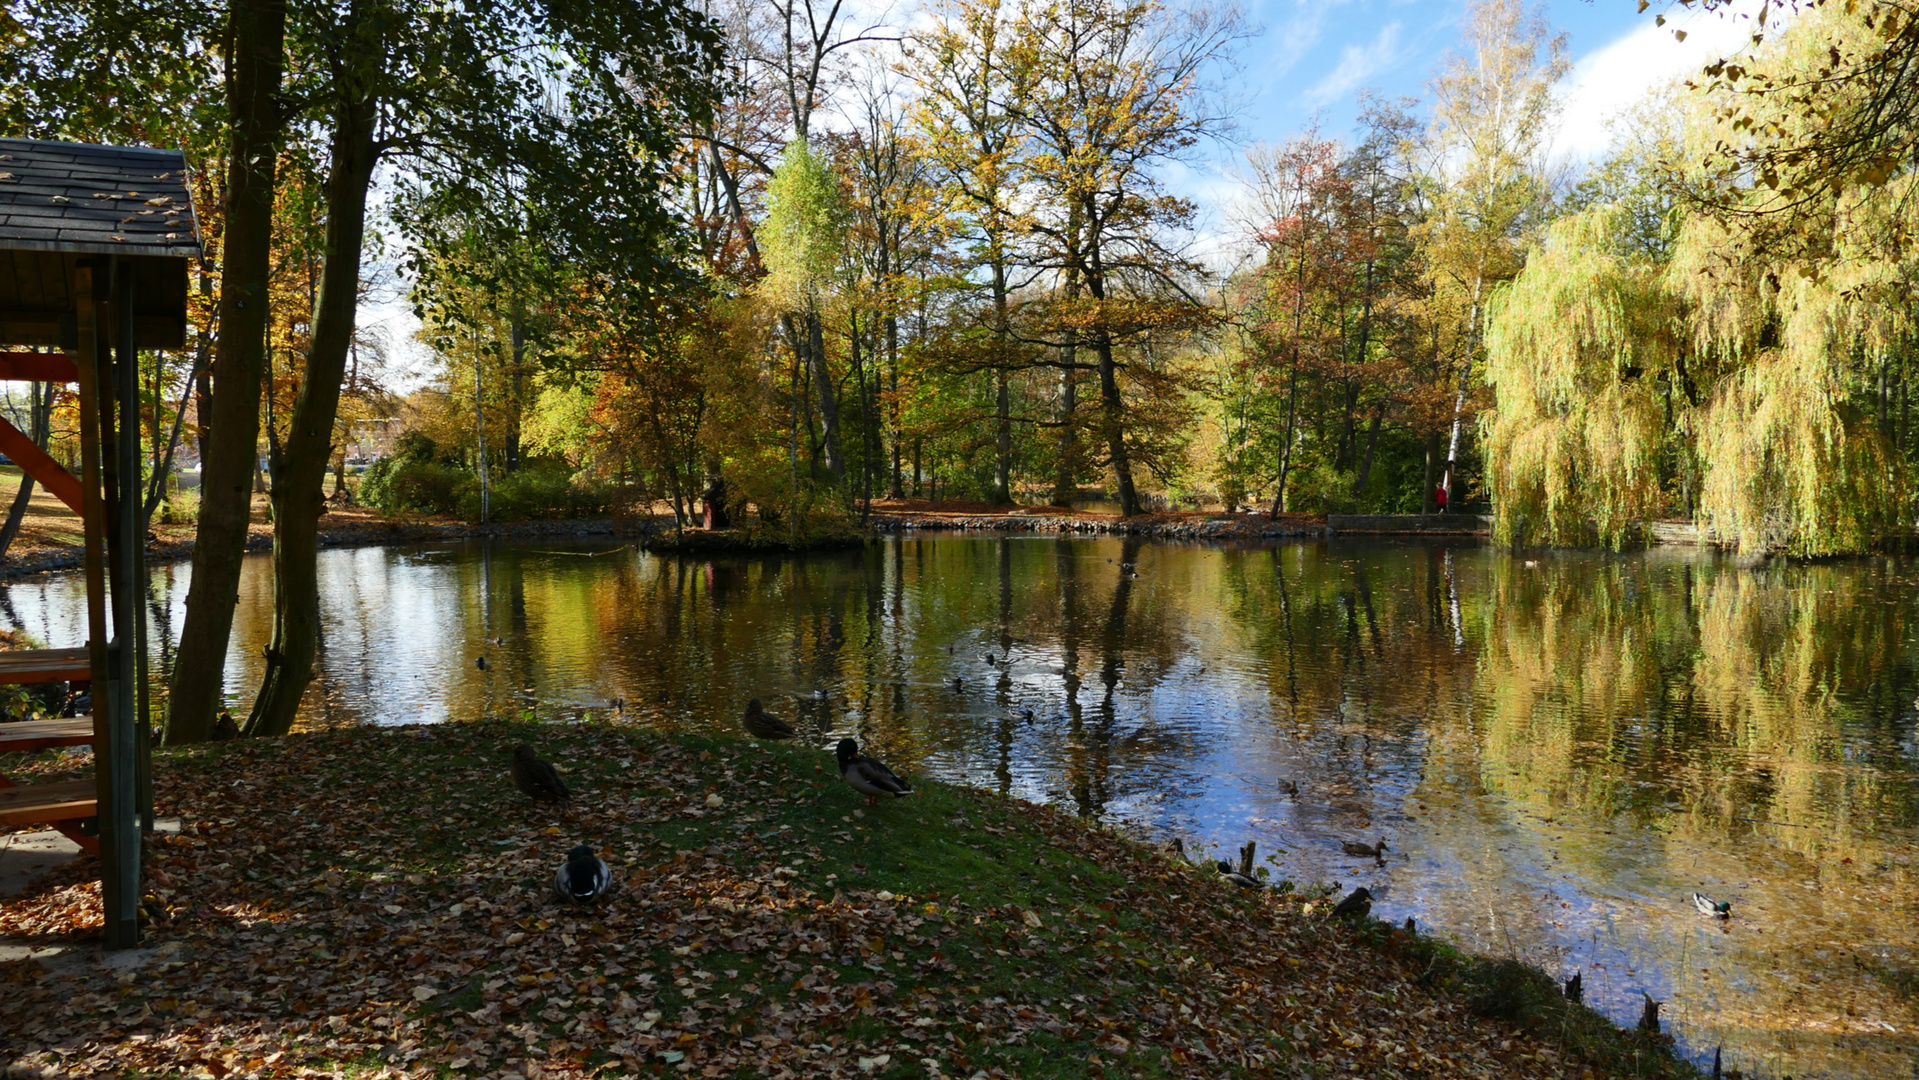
(1112, 405)
(828, 401)
(1066, 467)
(1459, 401)
(1427, 505)
(299, 477)
(1002, 400)
(1372, 444)
(893, 367)
(39, 413)
(231, 426)
(516, 406)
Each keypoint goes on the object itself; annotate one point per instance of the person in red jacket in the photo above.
(1439, 498)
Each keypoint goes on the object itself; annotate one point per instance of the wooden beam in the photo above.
(37, 367)
(42, 467)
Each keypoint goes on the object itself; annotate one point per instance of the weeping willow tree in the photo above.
(1797, 448)
(1580, 353)
(1766, 372)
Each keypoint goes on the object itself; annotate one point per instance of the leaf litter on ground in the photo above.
(377, 902)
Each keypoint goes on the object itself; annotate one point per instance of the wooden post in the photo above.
(129, 594)
(120, 458)
(119, 844)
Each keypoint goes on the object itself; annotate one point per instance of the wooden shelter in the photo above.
(94, 243)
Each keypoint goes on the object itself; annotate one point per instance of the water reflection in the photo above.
(1558, 751)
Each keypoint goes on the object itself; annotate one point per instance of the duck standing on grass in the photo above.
(867, 775)
(583, 878)
(536, 779)
(764, 725)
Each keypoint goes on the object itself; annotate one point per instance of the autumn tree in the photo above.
(1118, 93)
(1485, 188)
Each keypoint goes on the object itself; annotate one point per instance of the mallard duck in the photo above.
(990, 661)
(764, 725)
(958, 687)
(1377, 851)
(1708, 906)
(1243, 881)
(1289, 787)
(536, 779)
(867, 775)
(1649, 1015)
(583, 878)
(1576, 988)
(1357, 905)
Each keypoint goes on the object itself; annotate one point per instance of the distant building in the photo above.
(372, 439)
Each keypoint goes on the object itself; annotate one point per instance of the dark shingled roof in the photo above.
(85, 199)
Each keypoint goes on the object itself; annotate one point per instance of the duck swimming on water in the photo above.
(1708, 906)
(1376, 851)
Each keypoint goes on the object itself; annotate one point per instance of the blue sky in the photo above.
(1315, 56)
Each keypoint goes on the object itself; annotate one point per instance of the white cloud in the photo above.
(1609, 80)
(1357, 63)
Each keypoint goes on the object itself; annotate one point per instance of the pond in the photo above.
(1558, 748)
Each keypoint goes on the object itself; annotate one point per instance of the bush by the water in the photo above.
(418, 477)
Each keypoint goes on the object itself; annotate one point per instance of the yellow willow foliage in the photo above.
(1574, 442)
(1789, 465)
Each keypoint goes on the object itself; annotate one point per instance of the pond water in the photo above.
(1557, 748)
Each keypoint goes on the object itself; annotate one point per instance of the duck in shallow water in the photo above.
(764, 725)
(1708, 906)
(867, 775)
(1376, 851)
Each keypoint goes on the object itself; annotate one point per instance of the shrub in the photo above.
(416, 477)
(540, 489)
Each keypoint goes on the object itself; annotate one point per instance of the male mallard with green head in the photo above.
(764, 725)
(1708, 906)
(583, 878)
(536, 779)
(867, 775)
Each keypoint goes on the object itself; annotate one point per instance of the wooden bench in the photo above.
(45, 665)
(40, 734)
(62, 805)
